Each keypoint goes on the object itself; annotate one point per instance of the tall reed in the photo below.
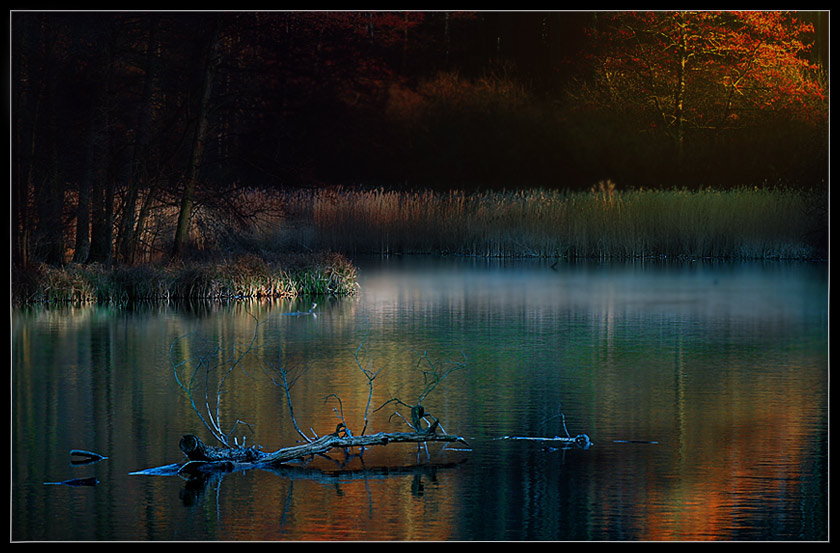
(603, 222)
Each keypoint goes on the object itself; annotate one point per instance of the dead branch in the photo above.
(370, 375)
(432, 376)
(199, 370)
(287, 387)
(331, 441)
(581, 440)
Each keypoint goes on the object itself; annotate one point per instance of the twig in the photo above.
(434, 376)
(289, 402)
(370, 376)
(561, 416)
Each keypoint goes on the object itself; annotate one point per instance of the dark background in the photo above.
(107, 105)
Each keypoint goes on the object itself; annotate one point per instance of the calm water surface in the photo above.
(703, 387)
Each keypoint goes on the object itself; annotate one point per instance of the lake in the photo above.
(703, 387)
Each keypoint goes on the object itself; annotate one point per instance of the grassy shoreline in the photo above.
(242, 276)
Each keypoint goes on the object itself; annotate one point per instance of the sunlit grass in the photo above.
(243, 276)
(600, 223)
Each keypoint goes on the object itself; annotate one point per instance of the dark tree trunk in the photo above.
(132, 222)
(188, 198)
(96, 141)
(101, 159)
(35, 44)
(49, 193)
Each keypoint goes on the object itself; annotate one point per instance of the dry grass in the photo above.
(602, 223)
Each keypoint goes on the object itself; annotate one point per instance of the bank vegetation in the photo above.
(229, 278)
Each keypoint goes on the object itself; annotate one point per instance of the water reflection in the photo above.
(724, 366)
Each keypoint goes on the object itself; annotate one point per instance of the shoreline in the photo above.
(207, 281)
(337, 224)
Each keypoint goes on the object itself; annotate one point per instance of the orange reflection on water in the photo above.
(743, 455)
(355, 506)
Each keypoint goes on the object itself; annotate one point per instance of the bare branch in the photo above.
(210, 415)
(434, 376)
(287, 387)
(370, 376)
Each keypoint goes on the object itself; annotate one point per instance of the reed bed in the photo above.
(600, 223)
(603, 223)
(242, 276)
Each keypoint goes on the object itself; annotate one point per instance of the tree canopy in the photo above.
(707, 70)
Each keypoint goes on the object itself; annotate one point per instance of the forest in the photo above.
(146, 136)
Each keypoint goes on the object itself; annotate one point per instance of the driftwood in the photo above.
(193, 372)
(87, 457)
(75, 482)
(581, 440)
(208, 461)
(331, 441)
(196, 450)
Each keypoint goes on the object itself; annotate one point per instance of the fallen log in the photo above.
(196, 450)
(334, 441)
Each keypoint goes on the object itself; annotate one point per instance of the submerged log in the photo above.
(581, 440)
(87, 457)
(75, 482)
(196, 450)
